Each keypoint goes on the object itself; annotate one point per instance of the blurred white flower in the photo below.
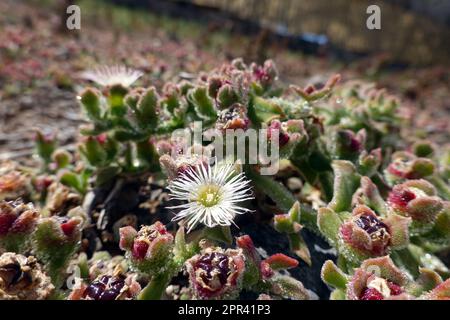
(213, 195)
(112, 75)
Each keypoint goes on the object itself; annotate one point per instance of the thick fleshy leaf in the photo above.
(147, 108)
(329, 223)
(441, 292)
(264, 111)
(127, 235)
(398, 229)
(281, 261)
(299, 246)
(369, 195)
(289, 287)
(346, 181)
(333, 276)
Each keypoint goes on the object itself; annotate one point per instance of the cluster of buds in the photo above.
(380, 279)
(23, 278)
(356, 105)
(17, 221)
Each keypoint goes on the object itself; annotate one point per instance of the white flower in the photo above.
(114, 75)
(213, 195)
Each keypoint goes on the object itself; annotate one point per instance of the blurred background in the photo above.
(40, 59)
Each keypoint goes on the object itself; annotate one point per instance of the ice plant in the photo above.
(17, 222)
(112, 75)
(23, 278)
(213, 195)
(382, 206)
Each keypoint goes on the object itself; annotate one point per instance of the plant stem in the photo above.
(155, 288)
(283, 197)
(404, 258)
(441, 186)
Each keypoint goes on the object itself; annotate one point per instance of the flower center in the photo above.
(105, 288)
(213, 269)
(374, 227)
(209, 195)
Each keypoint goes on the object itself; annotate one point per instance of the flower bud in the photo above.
(216, 273)
(146, 111)
(406, 166)
(202, 103)
(416, 199)
(368, 163)
(423, 148)
(90, 101)
(148, 250)
(55, 241)
(62, 158)
(367, 235)
(311, 93)
(93, 150)
(45, 145)
(13, 183)
(226, 96)
(116, 100)
(22, 278)
(378, 279)
(347, 145)
(17, 221)
(266, 74)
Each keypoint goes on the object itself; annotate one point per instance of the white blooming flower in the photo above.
(114, 75)
(213, 195)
